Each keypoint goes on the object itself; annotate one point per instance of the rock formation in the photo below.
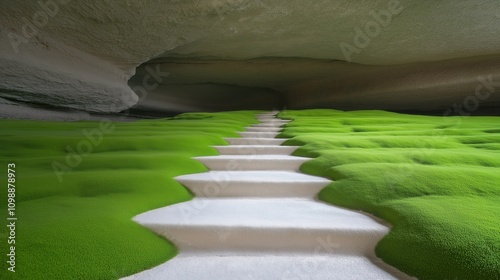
(261, 54)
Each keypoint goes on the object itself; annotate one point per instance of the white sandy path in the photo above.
(256, 217)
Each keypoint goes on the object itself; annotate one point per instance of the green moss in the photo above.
(80, 227)
(435, 179)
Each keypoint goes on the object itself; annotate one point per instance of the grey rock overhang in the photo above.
(80, 54)
(468, 85)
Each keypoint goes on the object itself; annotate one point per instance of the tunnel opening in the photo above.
(168, 86)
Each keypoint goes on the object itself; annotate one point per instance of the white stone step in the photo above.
(252, 162)
(275, 125)
(321, 266)
(255, 150)
(263, 129)
(268, 117)
(272, 120)
(264, 225)
(253, 184)
(261, 134)
(255, 141)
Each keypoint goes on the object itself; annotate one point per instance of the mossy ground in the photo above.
(435, 179)
(80, 227)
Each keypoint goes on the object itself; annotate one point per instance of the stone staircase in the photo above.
(255, 216)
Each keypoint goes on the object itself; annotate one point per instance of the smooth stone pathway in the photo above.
(255, 217)
(260, 225)
(255, 141)
(253, 162)
(253, 184)
(263, 129)
(266, 266)
(261, 134)
(255, 150)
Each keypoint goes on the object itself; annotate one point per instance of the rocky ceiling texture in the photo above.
(171, 56)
